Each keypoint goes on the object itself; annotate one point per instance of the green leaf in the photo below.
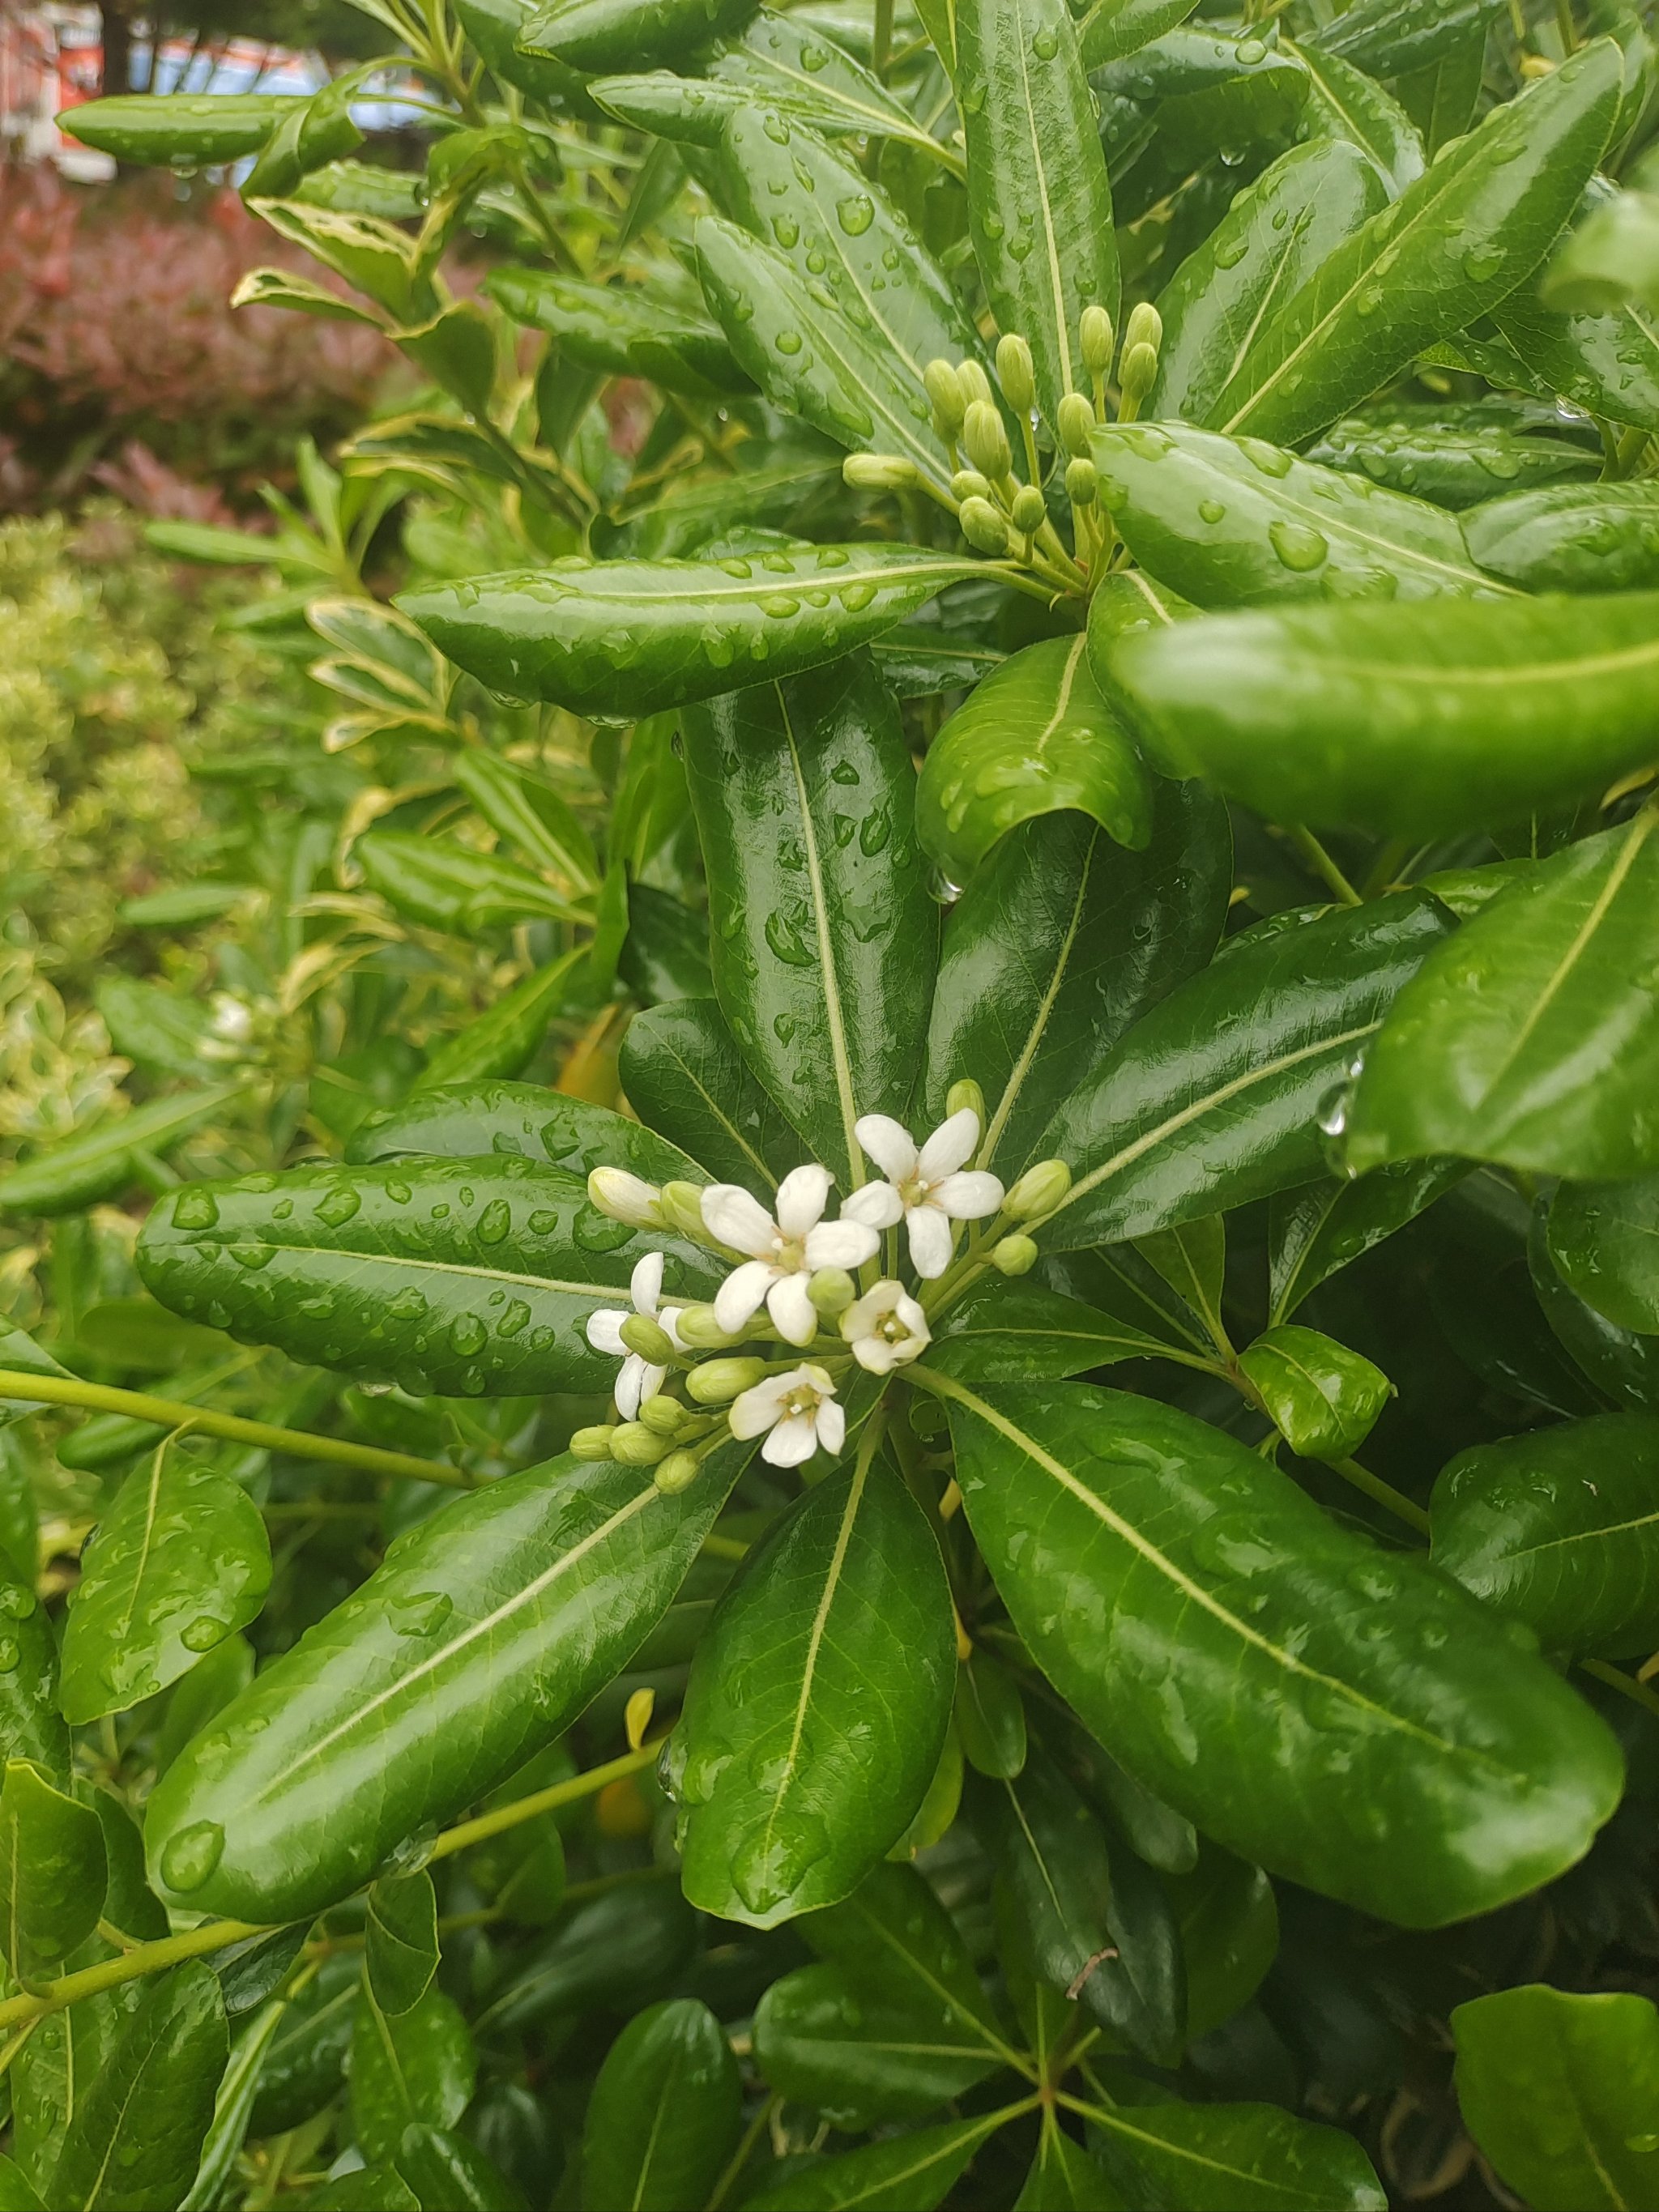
(188, 129)
(1272, 239)
(1443, 97)
(1570, 537)
(1040, 203)
(1606, 364)
(1064, 2177)
(494, 26)
(490, 1627)
(1325, 1226)
(1443, 717)
(1391, 38)
(792, 66)
(1337, 1713)
(53, 1872)
(444, 2168)
(179, 1562)
(684, 1074)
(305, 2062)
(455, 1276)
(377, 2188)
(622, 331)
(401, 1947)
(1112, 28)
(1528, 1038)
(1212, 1099)
(1451, 465)
(86, 1169)
(1206, 87)
(15, 2193)
(1506, 190)
(137, 2135)
(1345, 103)
(905, 2174)
(1229, 1922)
(1623, 1366)
(1059, 944)
(1558, 2091)
(1235, 2158)
(446, 885)
(1610, 261)
(502, 1041)
(1604, 1238)
(990, 1717)
(817, 1702)
(619, 1949)
(1002, 1332)
(1233, 522)
(824, 936)
(1323, 1399)
(592, 35)
(1035, 738)
(1193, 1261)
(418, 2067)
(222, 2144)
(531, 814)
(1558, 1527)
(470, 1121)
(31, 1727)
(673, 2062)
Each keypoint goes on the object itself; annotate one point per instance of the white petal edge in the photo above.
(740, 1296)
(968, 1197)
(951, 1145)
(930, 1241)
(630, 1385)
(878, 1206)
(738, 1220)
(645, 1285)
(802, 1196)
(793, 1312)
(605, 1331)
(792, 1442)
(840, 1244)
(832, 1426)
(890, 1144)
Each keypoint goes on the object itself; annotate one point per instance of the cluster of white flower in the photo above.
(800, 1269)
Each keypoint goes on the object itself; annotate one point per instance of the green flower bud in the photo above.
(593, 1444)
(879, 472)
(648, 1337)
(717, 1381)
(975, 385)
(1097, 340)
(944, 388)
(663, 1415)
(625, 1197)
(1014, 1256)
(1137, 374)
(677, 1472)
(968, 483)
(964, 1092)
(987, 441)
(1075, 422)
(1039, 1191)
(831, 1290)
(634, 1445)
(681, 1204)
(698, 1329)
(1144, 327)
(983, 527)
(1016, 374)
(1028, 511)
(1081, 482)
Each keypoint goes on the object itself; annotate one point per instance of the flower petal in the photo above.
(793, 1312)
(792, 1442)
(930, 1240)
(739, 1297)
(753, 1412)
(832, 1426)
(875, 1355)
(802, 1196)
(914, 1320)
(667, 1319)
(630, 1385)
(605, 1331)
(951, 1143)
(738, 1220)
(888, 1143)
(968, 1197)
(878, 1206)
(645, 1285)
(840, 1244)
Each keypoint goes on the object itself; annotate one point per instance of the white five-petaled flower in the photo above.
(795, 1412)
(926, 1189)
(639, 1379)
(887, 1328)
(783, 1253)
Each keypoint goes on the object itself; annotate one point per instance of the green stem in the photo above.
(503, 1817)
(1627, 1685)
(744, 2151)
(881, 45)
(174, 1413)
(1320, 862)
(1381, 1493)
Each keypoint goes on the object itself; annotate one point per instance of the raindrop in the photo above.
(190, 1855)
(495, 1222)
(856, 214)
(9, 1655)
(195, 1209)
(1298, 547)
(339, 1204)
(1212, 510)
(204, 1634)
(467, 1334)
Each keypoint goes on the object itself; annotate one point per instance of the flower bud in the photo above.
(975, 385)
(983, 527)
(677, 1472)
(1028, 511)
(944, 388)
(987, 441)
(1136, 375)
(717, 1381)
(831, 1290)
(624, 1197)
(1097, 340)
(698, 1328)
(663, 1415)
(968, 483)
(593, 1444)
(648, 1337)
(682, 1209)
(1039, 1191)
(879, 472)
(634, 1445)
(1015, 374)
(1076, 424)
(1081, 482)
(965, 1095)
(1144, 327)
(1014, 1256)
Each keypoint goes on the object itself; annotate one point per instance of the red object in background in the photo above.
(80, 74)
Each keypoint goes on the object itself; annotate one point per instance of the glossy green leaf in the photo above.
(620, 639)
(622, 331)
(137, 2136)
(531, 814)
(1623, 1366)
(444, 885)
(903, 2173)
(1325, 1226)
(1112, 28)
(1559, 1529)
(494, 26)
(1390, 38)
(618, 1950)
(1558, 2091)
(673, 2063)
(502, 1041)
(990, 1717)
(460, 1277)
(817, 1702)
(1236, 2158)
(605, 34)
(546, 1581)
(1061, 942)
(470, 1121)
(1445, 717)
(1604, 1238)
(1039, 200)
(1229, 1922)
(1609, 261)
(444, 2168)
(1465, 234)
(1528, 1039)
(1335, 1712)
(1063, 2178)
(824, 936)
(227, 2132)
(1443, 97)
(16, 2194)
(1608, 364)
(179, 1562)
(1212, 1098)
(1000, 1332)
(419, 2068)
(1345, 103)
(684, 1075)
(1193, 1261)
(1570, 537)
(401, 1940)
(1323, 1399)
(190, 129)
(51, 1872)
(789, 63)
(1233, 522)
(1206, 88)
(1451, 467)
(1272, 238)
(68, 1177)
(31, 1726)
(377, 2188)
(305, 2062)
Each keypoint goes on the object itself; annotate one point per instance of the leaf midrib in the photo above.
(402, 1260)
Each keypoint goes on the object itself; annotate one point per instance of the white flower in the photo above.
(639, 1380)
(233, 1019)
(783, 1253)
(625, 1197)
(795, 1412)
(887, 1328)
(928, 1190)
